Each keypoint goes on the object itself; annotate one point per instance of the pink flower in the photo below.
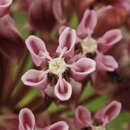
(27, 122)
(112, 82)
(101, 45)
(56, 66)
(102, 117)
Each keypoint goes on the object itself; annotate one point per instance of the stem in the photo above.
(84, 83)
(2, 75)
(32, 104)
(38, 104)
(18, 96)
(86, 100)
(18, 77)
(44, 105)
(7, 82)
(59, 112)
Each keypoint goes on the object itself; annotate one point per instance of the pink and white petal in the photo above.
(60, 125)
(63, 27)
(4, 6)
(82, 68)
(82, 117)
(87, 24)
(36, 79)
(109, 113)
(109, 39)
(63, 89)
(67, 41)
(26, 120)
(105, 62)
(37, 49)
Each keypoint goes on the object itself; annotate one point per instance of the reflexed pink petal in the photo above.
(36, 79)
(106, 62)
(108, 113)
(82, 68)
(67, 41)
(4, 6)
(63, 90)
(26, 120)
(37, 49)
(87, 24)
(109, 39)
(60, 125)
(63, 27)
(82, 117)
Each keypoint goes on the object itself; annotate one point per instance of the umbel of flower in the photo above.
(101, 45)
(57, 65)
(27, 122)
(102, 117)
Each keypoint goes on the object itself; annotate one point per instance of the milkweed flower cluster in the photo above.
(67, 60)
(27, 121)
(102, 117)
(57, 66)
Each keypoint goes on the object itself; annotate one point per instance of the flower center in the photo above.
(57, 66)
(99, 128)
(89, 45)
